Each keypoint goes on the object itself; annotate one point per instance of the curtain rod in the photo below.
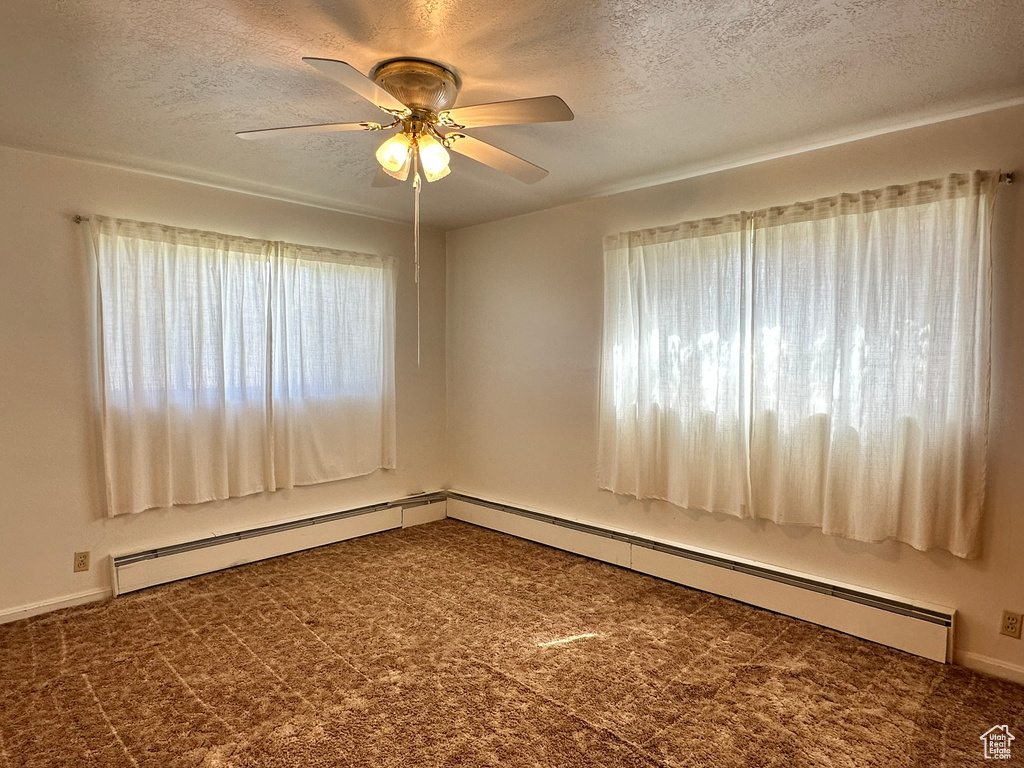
(1004, 178)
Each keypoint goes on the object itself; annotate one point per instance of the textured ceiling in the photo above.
(659, 87)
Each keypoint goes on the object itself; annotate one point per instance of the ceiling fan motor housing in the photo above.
(421, 85)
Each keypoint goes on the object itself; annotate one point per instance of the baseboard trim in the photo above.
(989, 666)
(54, 604)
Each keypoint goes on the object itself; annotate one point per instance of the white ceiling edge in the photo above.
(294, 197)
(227, 184)
(739, 161)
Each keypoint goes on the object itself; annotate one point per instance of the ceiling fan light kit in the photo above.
(420, 96)
(426, 89)
(433, 157)
(395, 156)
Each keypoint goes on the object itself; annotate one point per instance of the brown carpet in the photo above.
(425, 647)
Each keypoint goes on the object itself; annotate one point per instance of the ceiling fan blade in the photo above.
(382, 179)
(352, 78)
(265, 133)
(499, 159)
(542, 109)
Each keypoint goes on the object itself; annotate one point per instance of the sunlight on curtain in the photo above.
(864, 380)
(672, 419)
(232, 366)
(334, 376)
(871, 363)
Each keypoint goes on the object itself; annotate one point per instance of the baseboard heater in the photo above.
(138, 570)
(918, 628)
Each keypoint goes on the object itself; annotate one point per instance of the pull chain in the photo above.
(416, 184)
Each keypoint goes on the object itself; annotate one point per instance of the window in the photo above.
(232, 366)
(823, 364)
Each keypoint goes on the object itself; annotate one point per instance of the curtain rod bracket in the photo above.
(1006, 178)
(78, 218)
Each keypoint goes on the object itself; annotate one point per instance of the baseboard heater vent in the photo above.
(915, 627)
(137, 570)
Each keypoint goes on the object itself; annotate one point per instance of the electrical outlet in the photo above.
(1011, 624)
(82, 562)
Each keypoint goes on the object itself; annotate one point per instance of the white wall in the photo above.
(51, 497)
(524, 332)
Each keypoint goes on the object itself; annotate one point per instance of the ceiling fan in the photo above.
(420, 96)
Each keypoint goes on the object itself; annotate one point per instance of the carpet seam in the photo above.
(106, 719)
(725, 682)
(303, 626)
(945, 724)
(78, 737)
(63, 648)
(679, 674)
(270, 669)
(918, 729)
(568, 710)
(191, 692)
(193, 631)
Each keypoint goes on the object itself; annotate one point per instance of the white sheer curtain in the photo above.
(673, 423)
(871, 327)
(334, 376)
(215, 382)
(863, 379)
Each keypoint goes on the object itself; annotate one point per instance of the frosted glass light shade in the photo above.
(433, 157)
(394, 156)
